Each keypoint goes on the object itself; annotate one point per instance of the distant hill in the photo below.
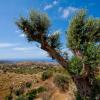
(5, 62)
(11, 61)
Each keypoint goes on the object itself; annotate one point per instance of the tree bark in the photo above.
(83, 86)
(52, 52)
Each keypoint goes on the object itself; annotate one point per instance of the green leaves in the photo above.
(83, 30)
(75, 66)
(39, 21)
(26, 27)
(36, 24)
(92, 55)
(54, 40)
(75, 30)
(84, 36)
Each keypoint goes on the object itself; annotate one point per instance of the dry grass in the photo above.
(12, 79)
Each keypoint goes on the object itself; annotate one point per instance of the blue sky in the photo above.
(13, 44)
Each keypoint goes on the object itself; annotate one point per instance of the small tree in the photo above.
(83, 40)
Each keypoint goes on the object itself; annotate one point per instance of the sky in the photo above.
(14, 45)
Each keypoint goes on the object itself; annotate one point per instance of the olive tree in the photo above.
(83, 37)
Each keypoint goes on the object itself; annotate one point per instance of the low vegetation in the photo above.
(32, 81)
(44, 83)
(33, 68)
(28, 84)
(46, 75)
(62, 82)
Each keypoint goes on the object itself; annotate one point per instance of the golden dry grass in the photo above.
(15, 80)
(12, 79)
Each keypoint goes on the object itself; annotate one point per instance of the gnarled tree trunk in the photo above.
(83, 86)
(82, 82)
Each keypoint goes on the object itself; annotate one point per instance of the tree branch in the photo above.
(45, 46)
(55, 55)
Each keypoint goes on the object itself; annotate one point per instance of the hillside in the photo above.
(35, 81)
(40, 76)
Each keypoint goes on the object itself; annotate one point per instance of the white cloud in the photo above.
(55, 2)
(23, 48)
(17, 31)
(23, 52)
(67, 11)
(22, 35)
(23, 55)
(48, 6)
(33, 49)
(6, 45)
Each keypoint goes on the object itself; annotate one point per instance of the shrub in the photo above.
(33, 93)
(78, 97)
(22, 97)
(19, 91)
(61, 81)
(46, 75)
(41, 89)
(28, 84)
(9, 97)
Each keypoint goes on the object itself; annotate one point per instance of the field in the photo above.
(26, 77)
(35, 81)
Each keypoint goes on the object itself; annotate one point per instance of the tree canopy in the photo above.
(84, 37)
(83, 40)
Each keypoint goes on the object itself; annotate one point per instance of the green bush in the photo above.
(41, 89)
(61, 81)
(18, 91)
(28, 84)
(9, 97)
(46, 75)
(33, 93)
(22, 97)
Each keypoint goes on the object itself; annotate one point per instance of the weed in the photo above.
(18, 91)
(9, 97)
(33, 93)
(28, 84)
(61, 81)
(22, 97)
(46, 75)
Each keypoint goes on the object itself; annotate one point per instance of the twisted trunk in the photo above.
(53, 53)
(83, 86)
(82, 82)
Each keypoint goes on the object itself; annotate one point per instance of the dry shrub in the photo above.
(62, 82)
